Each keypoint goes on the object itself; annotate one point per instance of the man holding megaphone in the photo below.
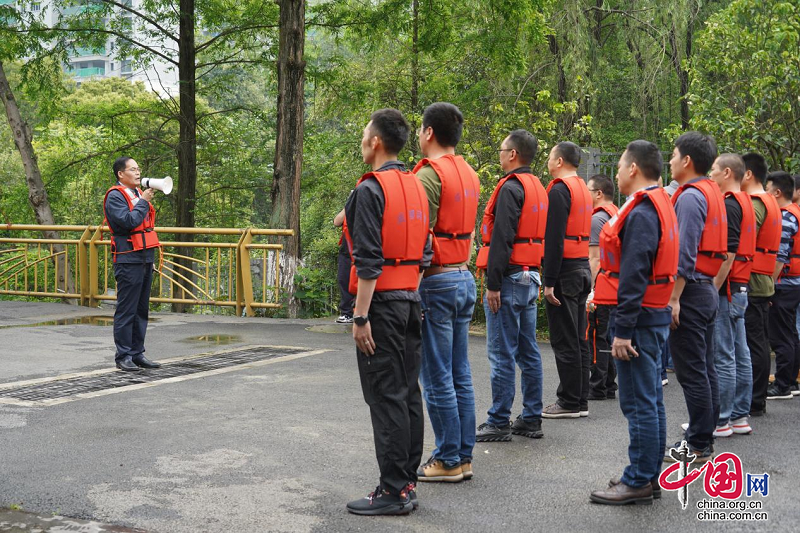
(131, 218)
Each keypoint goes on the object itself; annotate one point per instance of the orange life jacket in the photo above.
(713, 247)
(142, 236)
(611, 209)
(458, 207)
(404, 231)
(528, 245)
(579, 223)
(743, 264)
(769, 236)
(665, 266)
(792, 268)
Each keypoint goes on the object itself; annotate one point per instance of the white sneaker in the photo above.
(741, 426)
(685, 426)
(665, 381)
(344, 319)
(723, 431)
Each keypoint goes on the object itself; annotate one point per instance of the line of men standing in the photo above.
(652, 270)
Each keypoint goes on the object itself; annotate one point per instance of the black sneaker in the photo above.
(795, 389)
(411, 489)
(531, 429)
(380, 502)
(489, 433)
(611, 395)
(597, 395)
(775, 393)
(758, 412)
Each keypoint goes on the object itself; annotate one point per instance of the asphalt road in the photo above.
(283, 447)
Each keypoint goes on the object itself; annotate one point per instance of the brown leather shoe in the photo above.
(653, 483)
(622, 494)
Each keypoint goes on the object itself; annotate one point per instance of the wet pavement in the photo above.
(283, 446)
(13, 521)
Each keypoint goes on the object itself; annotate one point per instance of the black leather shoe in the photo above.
(144, 362)
(126, 365)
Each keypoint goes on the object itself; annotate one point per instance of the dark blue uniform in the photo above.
(133, 272)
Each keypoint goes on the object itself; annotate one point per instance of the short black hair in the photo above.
(756, 164)
(733, 162)
(119, 165)
(701, 148)
(393, 129)
(525, 143)
(604, 184)
(569, 152)
(647, 157)
(447, 122)
(783, 181)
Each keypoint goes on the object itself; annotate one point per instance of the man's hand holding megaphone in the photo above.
(148, 194)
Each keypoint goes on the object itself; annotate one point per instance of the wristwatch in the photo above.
(361, 320)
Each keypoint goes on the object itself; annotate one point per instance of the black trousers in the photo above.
(756, 325)
(692, 348)
(133, 306)
(390, 383)
(568, 337)
(783, 334)
(603, 370)
(343, 278)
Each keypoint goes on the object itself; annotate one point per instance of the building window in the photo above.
(36, 7)
(112, 67)
(126, 67)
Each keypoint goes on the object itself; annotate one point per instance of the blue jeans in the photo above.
(666, 361)
(511, 337)
(448, 300)
(732, 359)
(641, 399)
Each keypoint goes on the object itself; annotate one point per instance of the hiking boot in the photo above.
(776, 393)
(466, 469)
(531, 429)
(436, 470)
(741, 426)
(380, 502)
(411, 489)
(556, 411)
(490, 433)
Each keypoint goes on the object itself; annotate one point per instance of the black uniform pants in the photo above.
(568, 337)
(692, 348)
(756, 326)
(783, 334)
(343, 278)
(390, 383)
(133, 305)
(603, 371)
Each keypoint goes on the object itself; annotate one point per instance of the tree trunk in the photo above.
(415, 58)
(683, 76)
(37, 194)
(187, 148)
(289, 140)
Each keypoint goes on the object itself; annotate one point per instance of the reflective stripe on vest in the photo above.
(579, 223)
(142, 236)
(743, 264)
(458, 208)
(528, 246)
(404, 231)
(769, 236)
(713, 247)
(665, 266)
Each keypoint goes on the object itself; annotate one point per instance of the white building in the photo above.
(85, 63)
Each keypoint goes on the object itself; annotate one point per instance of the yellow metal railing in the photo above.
(215, 273)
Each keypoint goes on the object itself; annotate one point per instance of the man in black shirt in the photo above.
(387, 322)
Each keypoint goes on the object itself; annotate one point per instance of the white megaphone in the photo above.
(163, 185)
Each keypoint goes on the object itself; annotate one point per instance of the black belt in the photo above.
(743, 258)
(575, 238)
(395, 262)
(765, 251)
(456, 236)
(694, 281)
(659, 281)
(715, 255)
(529, 241)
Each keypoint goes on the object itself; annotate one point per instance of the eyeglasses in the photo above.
(593, 190)
(506, 150)
(133, 169)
